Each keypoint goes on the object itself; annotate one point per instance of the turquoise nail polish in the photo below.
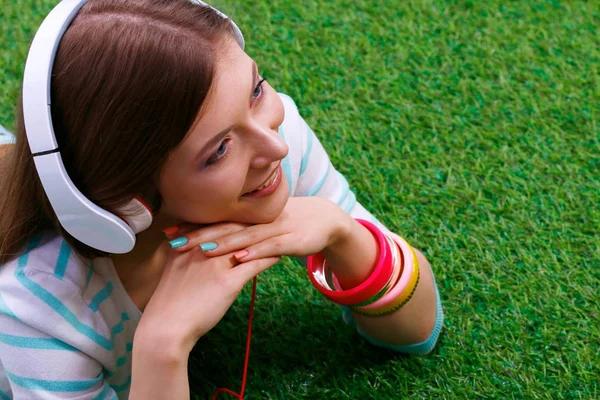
(180, 241)
(208, 246)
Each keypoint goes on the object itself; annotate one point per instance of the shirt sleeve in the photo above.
(44, 345)
(316, 176)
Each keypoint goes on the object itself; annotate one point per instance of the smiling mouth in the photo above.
(267, 183)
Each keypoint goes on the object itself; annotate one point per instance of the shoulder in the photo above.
(51, 289)
(48, 258)
(50, 332)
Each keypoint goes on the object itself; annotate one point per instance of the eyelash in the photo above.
(215, 158)
(259, 85)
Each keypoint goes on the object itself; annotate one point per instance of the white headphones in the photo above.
(84, 220)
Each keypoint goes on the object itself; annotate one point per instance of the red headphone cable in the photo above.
(240, 395)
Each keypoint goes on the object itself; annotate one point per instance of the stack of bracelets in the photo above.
(390, 286)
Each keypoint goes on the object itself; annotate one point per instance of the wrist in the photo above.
(159, 366)
(173, 346)
(342, 231)
(352, 256)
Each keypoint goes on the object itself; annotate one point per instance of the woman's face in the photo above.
(232, 150)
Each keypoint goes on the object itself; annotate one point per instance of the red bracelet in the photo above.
(379, 278)
(397, 261)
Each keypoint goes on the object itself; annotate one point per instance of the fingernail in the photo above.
(171, 230)
(208, 246)
(180, 241)
(241, 254)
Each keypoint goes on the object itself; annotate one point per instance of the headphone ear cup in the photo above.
(137, 214)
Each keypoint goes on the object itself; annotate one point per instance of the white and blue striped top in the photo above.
(67, 323)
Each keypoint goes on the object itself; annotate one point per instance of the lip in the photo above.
(270, 189)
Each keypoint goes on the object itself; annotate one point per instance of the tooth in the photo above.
(267, 183)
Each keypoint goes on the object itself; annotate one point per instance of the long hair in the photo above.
(129, 80)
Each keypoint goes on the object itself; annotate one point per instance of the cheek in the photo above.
(202, 198)
(174, 194)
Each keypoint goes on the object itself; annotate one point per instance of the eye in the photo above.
(258, 90)
(219, 154)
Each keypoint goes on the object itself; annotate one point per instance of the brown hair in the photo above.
(129, 80)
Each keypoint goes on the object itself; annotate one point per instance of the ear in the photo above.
(137, 213)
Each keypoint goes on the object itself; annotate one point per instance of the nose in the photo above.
(268, 146)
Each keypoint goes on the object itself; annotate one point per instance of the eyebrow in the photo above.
(219, 136)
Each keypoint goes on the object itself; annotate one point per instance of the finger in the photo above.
(248, 270)
(175, 231)
(225, 261)
(242, 239)
(204, 234)
(276, 246)
(171, 230)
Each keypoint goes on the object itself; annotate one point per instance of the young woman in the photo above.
(157, 101)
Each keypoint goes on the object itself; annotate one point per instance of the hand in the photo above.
(192, 296)
(306, 226)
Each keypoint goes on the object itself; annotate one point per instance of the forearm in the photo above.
(159, 370)
(352, 258)
(414, 322)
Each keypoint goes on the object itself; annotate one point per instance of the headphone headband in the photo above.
(80, 217)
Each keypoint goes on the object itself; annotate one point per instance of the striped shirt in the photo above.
(67, 323)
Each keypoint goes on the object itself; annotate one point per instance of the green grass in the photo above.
(472, 129)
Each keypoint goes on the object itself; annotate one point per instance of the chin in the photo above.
(267, 219)
(264, 218)
(270, 212)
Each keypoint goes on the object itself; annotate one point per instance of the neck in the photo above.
(140, 269)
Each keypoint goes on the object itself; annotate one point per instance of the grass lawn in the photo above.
(472, 129)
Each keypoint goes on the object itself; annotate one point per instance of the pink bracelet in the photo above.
(408, 261)
(397, 271)
(379, 278)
